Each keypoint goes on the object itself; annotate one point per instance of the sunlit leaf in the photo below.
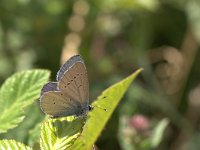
(59, 134)
(98, 118)
(19, 91)
(12, 144)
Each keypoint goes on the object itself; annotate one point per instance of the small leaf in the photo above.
(59, 134)
(158, 132)
(12, 144)
(98, 117)
(19, 91)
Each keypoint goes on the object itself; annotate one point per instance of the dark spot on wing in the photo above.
(54, 103)
(68, 83)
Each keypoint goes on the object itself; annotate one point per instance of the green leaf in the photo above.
(59, 134)
(158, 132)
(12, 144)
(34, 135)
(193, 14)
(98, 117)
(19, 91)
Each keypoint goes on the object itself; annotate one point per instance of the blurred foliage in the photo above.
(115, 39)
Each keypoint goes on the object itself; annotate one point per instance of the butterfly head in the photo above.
(90, 108)
(83, 111)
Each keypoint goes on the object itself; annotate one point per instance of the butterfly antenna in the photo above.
(100, 107)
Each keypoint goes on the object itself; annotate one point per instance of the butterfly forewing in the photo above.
(75, 83)
(68, 64)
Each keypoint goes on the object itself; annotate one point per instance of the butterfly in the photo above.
(69, 95)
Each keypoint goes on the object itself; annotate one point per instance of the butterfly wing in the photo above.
(50, 86)
(57, 104)
(67, 65)
(74, 82)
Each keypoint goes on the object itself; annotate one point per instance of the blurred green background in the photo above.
(114, 38)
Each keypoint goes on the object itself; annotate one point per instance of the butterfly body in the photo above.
(70, 94)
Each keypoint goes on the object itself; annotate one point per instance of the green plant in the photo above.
(20, 90)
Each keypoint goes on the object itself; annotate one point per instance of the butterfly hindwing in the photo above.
(57, 104)
(50, 86)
